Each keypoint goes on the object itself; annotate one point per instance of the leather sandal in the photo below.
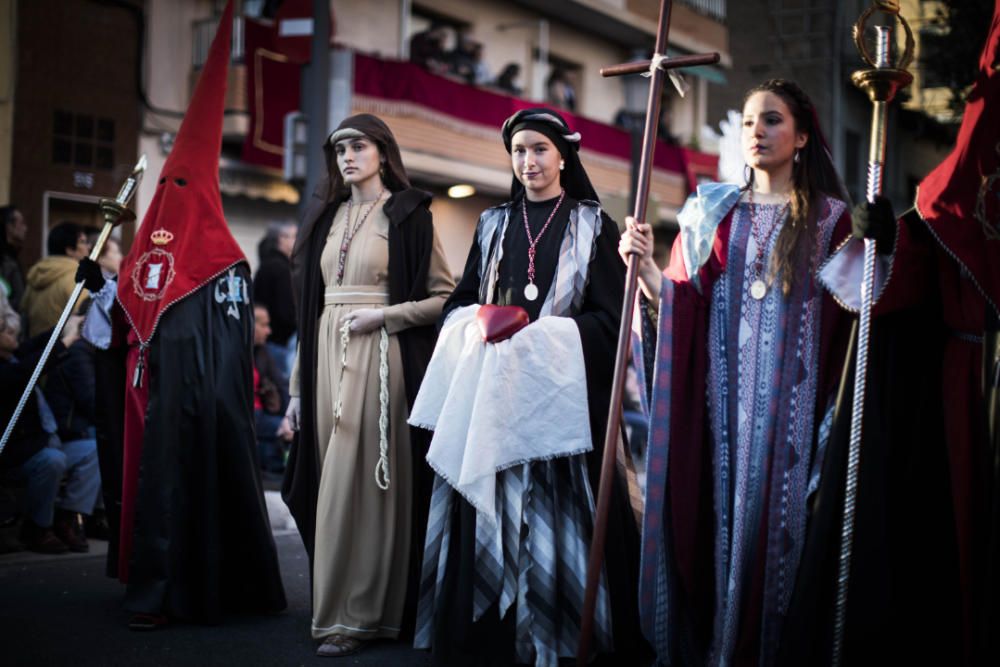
(338, 646)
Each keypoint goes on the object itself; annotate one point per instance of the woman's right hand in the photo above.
(637, 239)
(294, 412)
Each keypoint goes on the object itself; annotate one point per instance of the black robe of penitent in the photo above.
(202, 542)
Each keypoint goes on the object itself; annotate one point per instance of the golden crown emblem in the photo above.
(161, 237)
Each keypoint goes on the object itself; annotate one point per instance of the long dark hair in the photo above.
(374, 128)
(813, 177)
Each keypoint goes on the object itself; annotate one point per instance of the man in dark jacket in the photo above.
(272, 288)
(35, 453)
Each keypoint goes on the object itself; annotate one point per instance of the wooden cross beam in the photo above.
(657, 67)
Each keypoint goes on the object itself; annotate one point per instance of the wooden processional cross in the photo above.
(656, 68)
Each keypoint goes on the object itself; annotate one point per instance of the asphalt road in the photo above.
(62, 610)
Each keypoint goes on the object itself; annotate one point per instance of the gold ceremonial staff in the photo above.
(881, 81)
(115, 213)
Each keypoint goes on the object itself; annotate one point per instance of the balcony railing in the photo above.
(714, 8)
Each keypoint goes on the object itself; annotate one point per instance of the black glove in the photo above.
(89, 272)
(875, 221)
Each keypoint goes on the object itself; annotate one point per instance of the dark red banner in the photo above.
(273, 82)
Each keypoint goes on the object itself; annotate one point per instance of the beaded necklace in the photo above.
(531, 290)
(351, 230)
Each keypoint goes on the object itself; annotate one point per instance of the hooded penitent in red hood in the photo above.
(195, 540)
(184, 240)
(960, 199)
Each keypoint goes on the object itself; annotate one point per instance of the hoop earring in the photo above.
(747, 174)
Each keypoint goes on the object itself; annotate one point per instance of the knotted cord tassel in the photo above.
(139, 365)
(382, 467)
(345, 339)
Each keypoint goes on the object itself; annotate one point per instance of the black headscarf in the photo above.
(574, 177)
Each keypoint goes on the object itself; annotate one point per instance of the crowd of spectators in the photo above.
(50, 481)
(464, 60)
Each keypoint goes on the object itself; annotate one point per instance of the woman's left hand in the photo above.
(365, 320)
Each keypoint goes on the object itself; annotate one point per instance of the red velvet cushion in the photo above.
(498, 323)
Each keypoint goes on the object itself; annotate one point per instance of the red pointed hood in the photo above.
(960, 199)
(184, 240)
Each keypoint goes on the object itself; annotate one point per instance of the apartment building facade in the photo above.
(447, 127)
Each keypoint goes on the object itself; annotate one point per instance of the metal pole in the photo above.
(405, 9)
(113, 210)
(315, 99)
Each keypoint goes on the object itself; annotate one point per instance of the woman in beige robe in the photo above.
(355, 345)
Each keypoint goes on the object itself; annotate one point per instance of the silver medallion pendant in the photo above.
(758, 289)
(530, 292)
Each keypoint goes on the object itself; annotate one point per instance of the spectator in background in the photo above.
(71, 392)
(560, 91)
(11, 240)
(52, 279)
(35, 452)
(270, 396)
(481, 73)
(467, 62)
(272, 288)
(666, 121)
(508, 79)
(427, 49)
(110, 260)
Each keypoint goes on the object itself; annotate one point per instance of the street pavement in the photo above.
(62, 610)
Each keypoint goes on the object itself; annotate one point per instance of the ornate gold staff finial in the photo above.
(888, 8)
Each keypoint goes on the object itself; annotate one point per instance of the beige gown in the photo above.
(363, 532)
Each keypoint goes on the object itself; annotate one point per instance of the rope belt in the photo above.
(338, 295)
(354, 295)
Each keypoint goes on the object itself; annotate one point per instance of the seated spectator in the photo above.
(11, 239)
(270, 397)
(559, 91)
(508, 79)
(70, 390)
(272, 288)
(467, 62)
(51, 280)
(36, 455)
(482, 75)
(427, 49)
